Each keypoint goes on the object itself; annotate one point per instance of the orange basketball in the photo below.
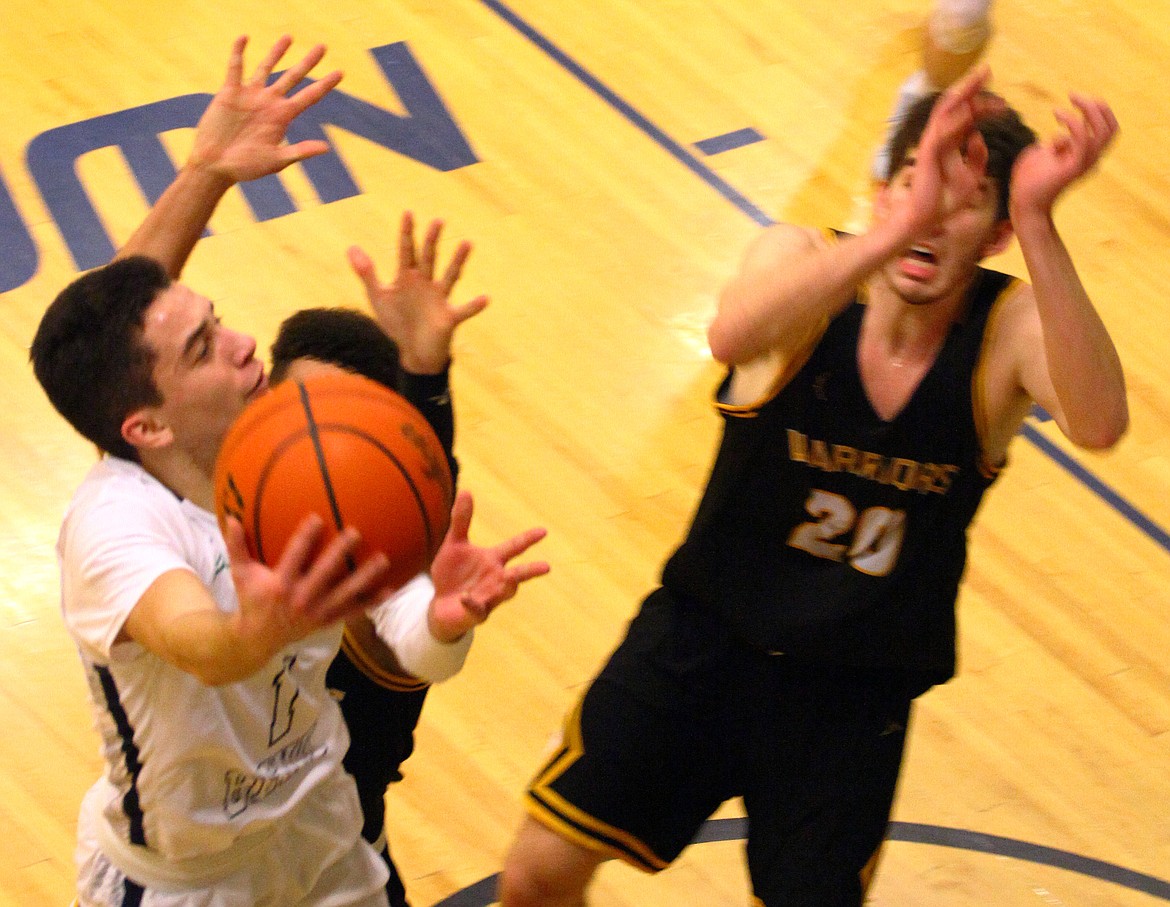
(348, 449)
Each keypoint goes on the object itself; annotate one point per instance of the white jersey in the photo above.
(190, 770)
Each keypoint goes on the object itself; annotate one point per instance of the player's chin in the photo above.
(915, 291)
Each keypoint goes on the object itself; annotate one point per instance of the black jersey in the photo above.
(381, 708)
(833, 536)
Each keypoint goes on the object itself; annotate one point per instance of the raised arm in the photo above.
(239, 137)
(789, 281)
(1074, 372)
(415, 311)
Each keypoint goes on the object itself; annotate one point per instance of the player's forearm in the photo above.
(209, 646)
(430, 394)
(765, 305)
(1083, 363)
(176, 222)
(427, 647)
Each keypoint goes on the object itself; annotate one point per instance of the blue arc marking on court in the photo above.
(482, 893)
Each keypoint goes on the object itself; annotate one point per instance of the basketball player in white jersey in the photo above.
(223, 783)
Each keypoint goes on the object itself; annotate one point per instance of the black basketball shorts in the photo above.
(684, 717)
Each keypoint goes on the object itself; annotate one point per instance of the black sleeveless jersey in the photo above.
(832, 536)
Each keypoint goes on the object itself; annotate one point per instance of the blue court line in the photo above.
(692, 163)
(595, 85)
(1094, 484)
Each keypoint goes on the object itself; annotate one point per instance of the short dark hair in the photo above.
(344, 337)
(88, 353)
(1004, 133)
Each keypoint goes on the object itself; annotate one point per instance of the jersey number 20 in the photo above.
(876, 533)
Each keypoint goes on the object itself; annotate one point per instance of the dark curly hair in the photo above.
(344, 337)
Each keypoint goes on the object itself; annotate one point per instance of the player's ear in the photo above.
(1001, 238)
(144, 429)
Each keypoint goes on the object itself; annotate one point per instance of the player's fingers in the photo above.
(522, 573)
(470, 309)
(504, 588)
(461, 512)
(295, 556)
(363, 587)
(518, 544)
(363, 266)
(454, 267)
(234, 539)
(1077, 139)
(430, 249)
(326, 569)
(291, 76)
(260, 76)
(314, 92)
(292, 154)
(479, 604)
(964, 92)
(977, 155)
(1110, 119)
(973, 82)
(235, 70)
(1102, 123)
(1076, 126)
(406, 259)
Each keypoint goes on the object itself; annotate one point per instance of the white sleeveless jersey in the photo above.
(190, 770)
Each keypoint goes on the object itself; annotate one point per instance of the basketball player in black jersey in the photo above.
(380, 700)
(874, 385)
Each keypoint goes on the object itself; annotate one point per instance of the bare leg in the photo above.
(957, 33)
(956, 36)
(545, 870)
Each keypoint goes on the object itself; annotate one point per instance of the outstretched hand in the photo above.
(240, 136)
(415, 309)
(1045, 169)
(950, 161)
(301, 593)
(471, 582)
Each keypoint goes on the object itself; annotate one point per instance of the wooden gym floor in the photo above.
(618, 155)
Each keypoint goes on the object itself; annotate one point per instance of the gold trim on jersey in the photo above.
(776, 368)
(978, 384)
(572, 823)
(781, 372)
(869, 869)
(364, 662)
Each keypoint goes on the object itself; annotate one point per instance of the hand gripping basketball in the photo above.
(347, 449)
